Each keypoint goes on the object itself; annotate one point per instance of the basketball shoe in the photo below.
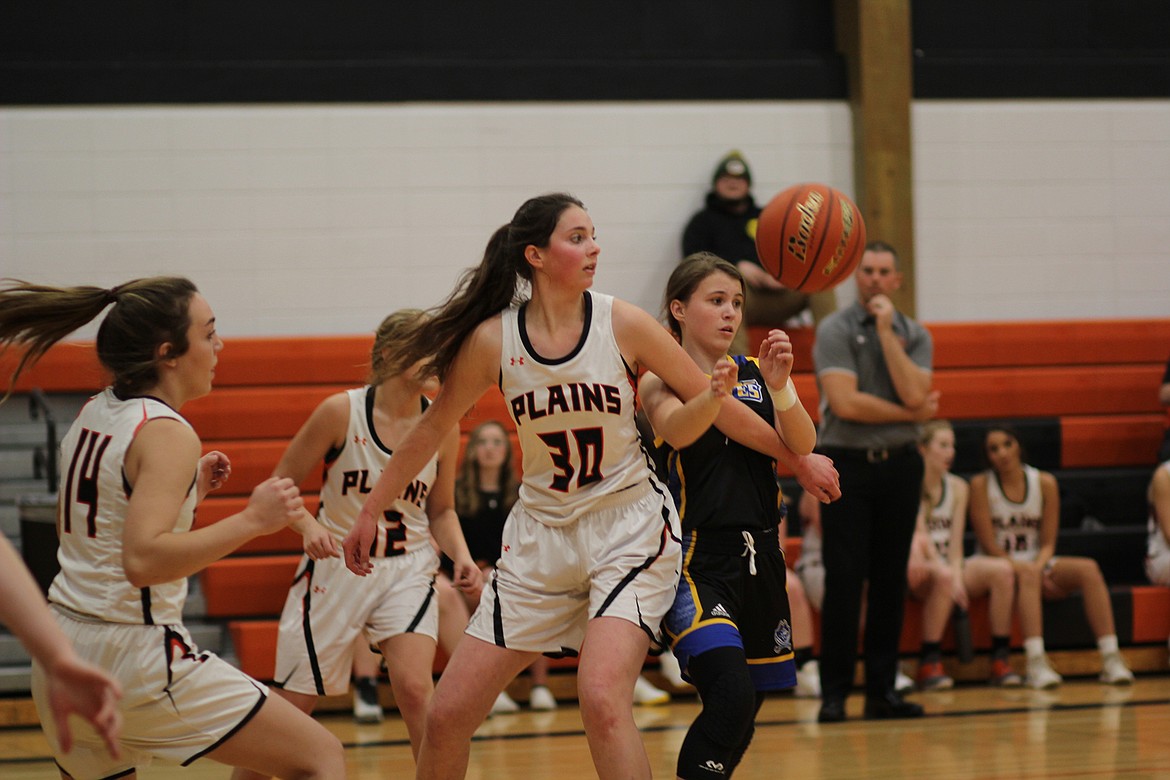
(1114, 671)
(808, 681)
(1041, 675)
(932, 677)
(504, 705)
(541, 698)
(1002, 674)
(646, 694)
(366, 707)
(903, 683)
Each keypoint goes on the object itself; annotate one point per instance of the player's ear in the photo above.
(166, 352)
(678, 309)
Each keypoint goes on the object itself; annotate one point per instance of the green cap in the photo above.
(733, 164)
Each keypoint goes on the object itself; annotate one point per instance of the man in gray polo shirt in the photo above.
(873, 367)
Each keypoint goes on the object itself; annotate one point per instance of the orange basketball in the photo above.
(810, 237)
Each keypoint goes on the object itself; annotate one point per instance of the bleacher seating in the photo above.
(1083, 395)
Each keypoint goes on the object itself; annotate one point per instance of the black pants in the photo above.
(866, 536)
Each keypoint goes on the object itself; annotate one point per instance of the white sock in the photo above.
(1034, 647)
(1107, 644)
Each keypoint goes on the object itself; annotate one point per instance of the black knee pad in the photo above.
(713, 743)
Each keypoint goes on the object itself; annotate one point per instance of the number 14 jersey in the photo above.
(91, 514)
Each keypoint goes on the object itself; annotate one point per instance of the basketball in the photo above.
(810, 237)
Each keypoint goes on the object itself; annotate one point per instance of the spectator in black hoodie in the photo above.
(726, 226)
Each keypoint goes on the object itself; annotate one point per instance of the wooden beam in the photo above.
(874, 37)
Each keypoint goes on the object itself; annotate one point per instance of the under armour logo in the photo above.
(359, 440)
(507, 547)
(517, 361)
(720, 611)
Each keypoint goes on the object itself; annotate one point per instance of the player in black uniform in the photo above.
(729, 625)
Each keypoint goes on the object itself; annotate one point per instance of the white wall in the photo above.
(323, 218)
(1042, 210)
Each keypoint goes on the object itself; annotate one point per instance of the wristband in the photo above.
(783, 400)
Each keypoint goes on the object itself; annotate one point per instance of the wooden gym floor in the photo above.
(1082, 729)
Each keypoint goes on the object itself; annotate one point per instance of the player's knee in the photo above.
(1029, 578)
(728, 695)
(793, 584)
(442, 710)
(602, 702)
(1002, 577)
(412, 695)
(325, 761)
(720, 733)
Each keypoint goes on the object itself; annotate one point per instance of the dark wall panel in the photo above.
(1041, 49)
(305, 50)
(147, 51)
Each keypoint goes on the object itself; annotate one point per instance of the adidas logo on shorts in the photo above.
(719, 611)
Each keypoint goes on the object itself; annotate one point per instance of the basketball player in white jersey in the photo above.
(938, 574)
(131, 478)
(1015, 513)
(396, 608)
(1158, 527)
(590, 551)
(1158, 544)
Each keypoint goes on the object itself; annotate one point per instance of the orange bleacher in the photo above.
(1098, 378)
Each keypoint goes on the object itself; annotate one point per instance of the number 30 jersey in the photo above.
(91, 515)
(574, 416)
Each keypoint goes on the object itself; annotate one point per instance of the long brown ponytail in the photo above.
(146, 313)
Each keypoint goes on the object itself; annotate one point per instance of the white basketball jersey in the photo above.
(574, 416)
(940, 519)
(1017, 526)
(91, 514)
(1157, 545)
(351, 473)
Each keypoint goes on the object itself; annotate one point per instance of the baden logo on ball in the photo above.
(810, 237)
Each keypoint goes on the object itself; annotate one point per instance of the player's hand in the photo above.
(724, 376)
(214, 471)
(466, 576)
(356, 544)
(959, 594)
(776, 358)
(78, 688)
(318, 542)
(917, 570)
(275, 503)
(819, 478)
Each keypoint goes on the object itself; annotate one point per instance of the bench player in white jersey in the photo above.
(939, 575)
(131, 477)
(1015, 513)
(396, 608)
(1158, 526)
(591, 549)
